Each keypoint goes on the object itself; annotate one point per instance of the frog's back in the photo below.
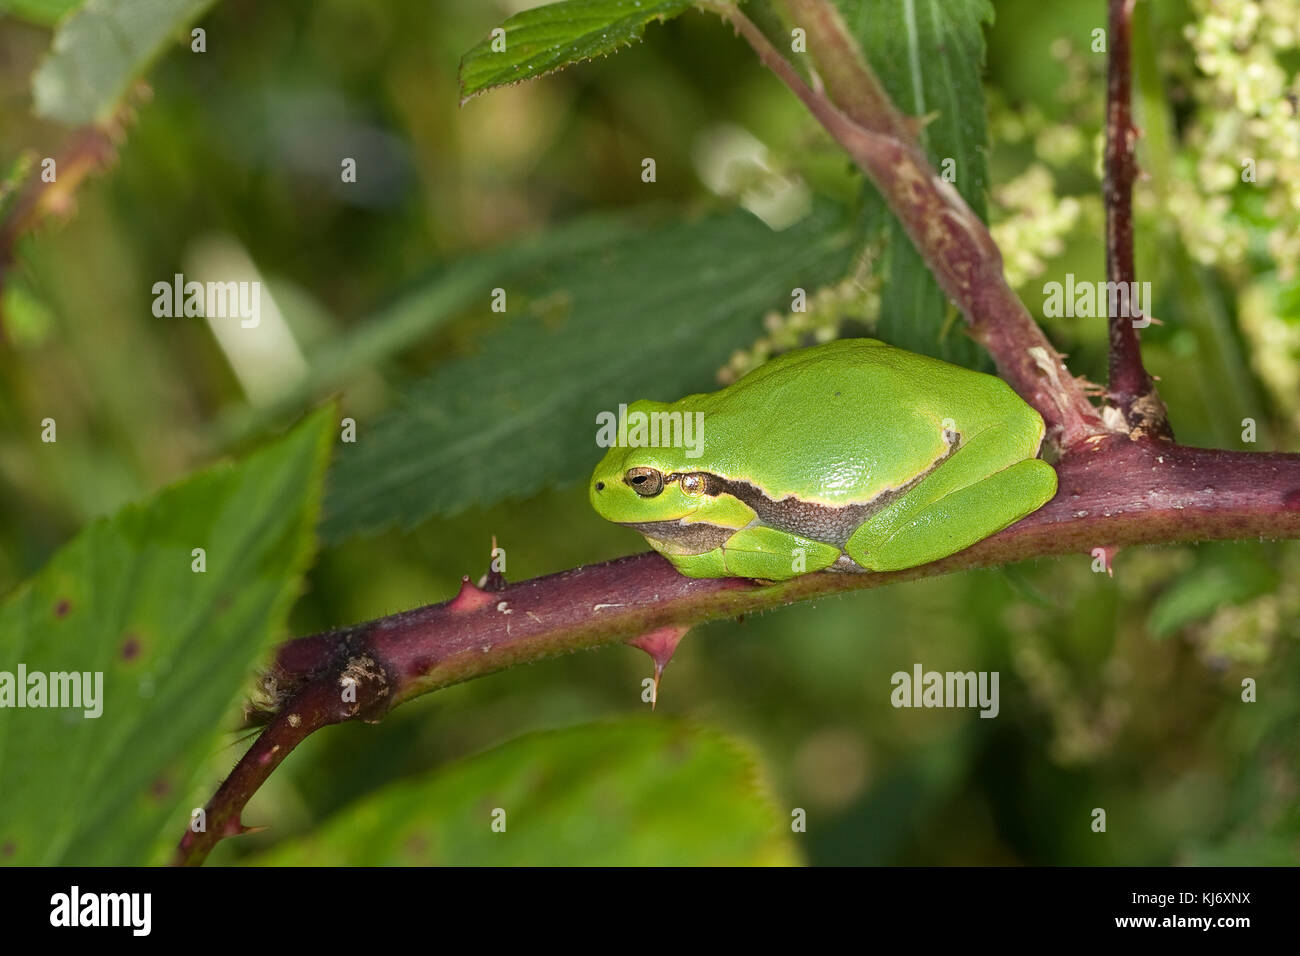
(860, 415)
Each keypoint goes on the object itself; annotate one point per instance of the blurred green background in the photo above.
(1122, 693)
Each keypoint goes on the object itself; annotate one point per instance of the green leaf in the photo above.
(638, 792)
(100, 51)
(28, 319)
(174, 648)
(549, 38)
(929, 55)
(43, 12)
(442, 295)
(650, 314)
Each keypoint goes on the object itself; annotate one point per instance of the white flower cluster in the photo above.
(818, 320)
(1247, 126)
(1034, 223)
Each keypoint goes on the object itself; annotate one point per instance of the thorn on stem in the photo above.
(660, 644)
(235, 827)
(470, 597)
(1106, 555)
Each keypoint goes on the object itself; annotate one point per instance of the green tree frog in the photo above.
(849, 456)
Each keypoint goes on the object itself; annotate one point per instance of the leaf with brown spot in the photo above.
(107, 790)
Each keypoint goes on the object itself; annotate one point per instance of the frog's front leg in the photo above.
(759, 552)
(989, 483)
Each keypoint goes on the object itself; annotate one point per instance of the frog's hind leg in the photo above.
(963, 501)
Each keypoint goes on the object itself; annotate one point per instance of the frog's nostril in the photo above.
(600, 486)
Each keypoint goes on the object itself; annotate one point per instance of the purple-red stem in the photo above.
(1131, 389)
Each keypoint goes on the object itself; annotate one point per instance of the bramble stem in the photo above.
(1131, 389)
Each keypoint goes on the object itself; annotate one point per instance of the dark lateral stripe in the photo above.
(818, 522)
(824, 523)
(832, 525)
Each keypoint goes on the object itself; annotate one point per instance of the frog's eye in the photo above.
(692, 484)
(646, 482)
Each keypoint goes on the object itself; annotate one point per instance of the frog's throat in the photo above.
(675, 537)
(825, 523)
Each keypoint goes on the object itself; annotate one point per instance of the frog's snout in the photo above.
(599, 494)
